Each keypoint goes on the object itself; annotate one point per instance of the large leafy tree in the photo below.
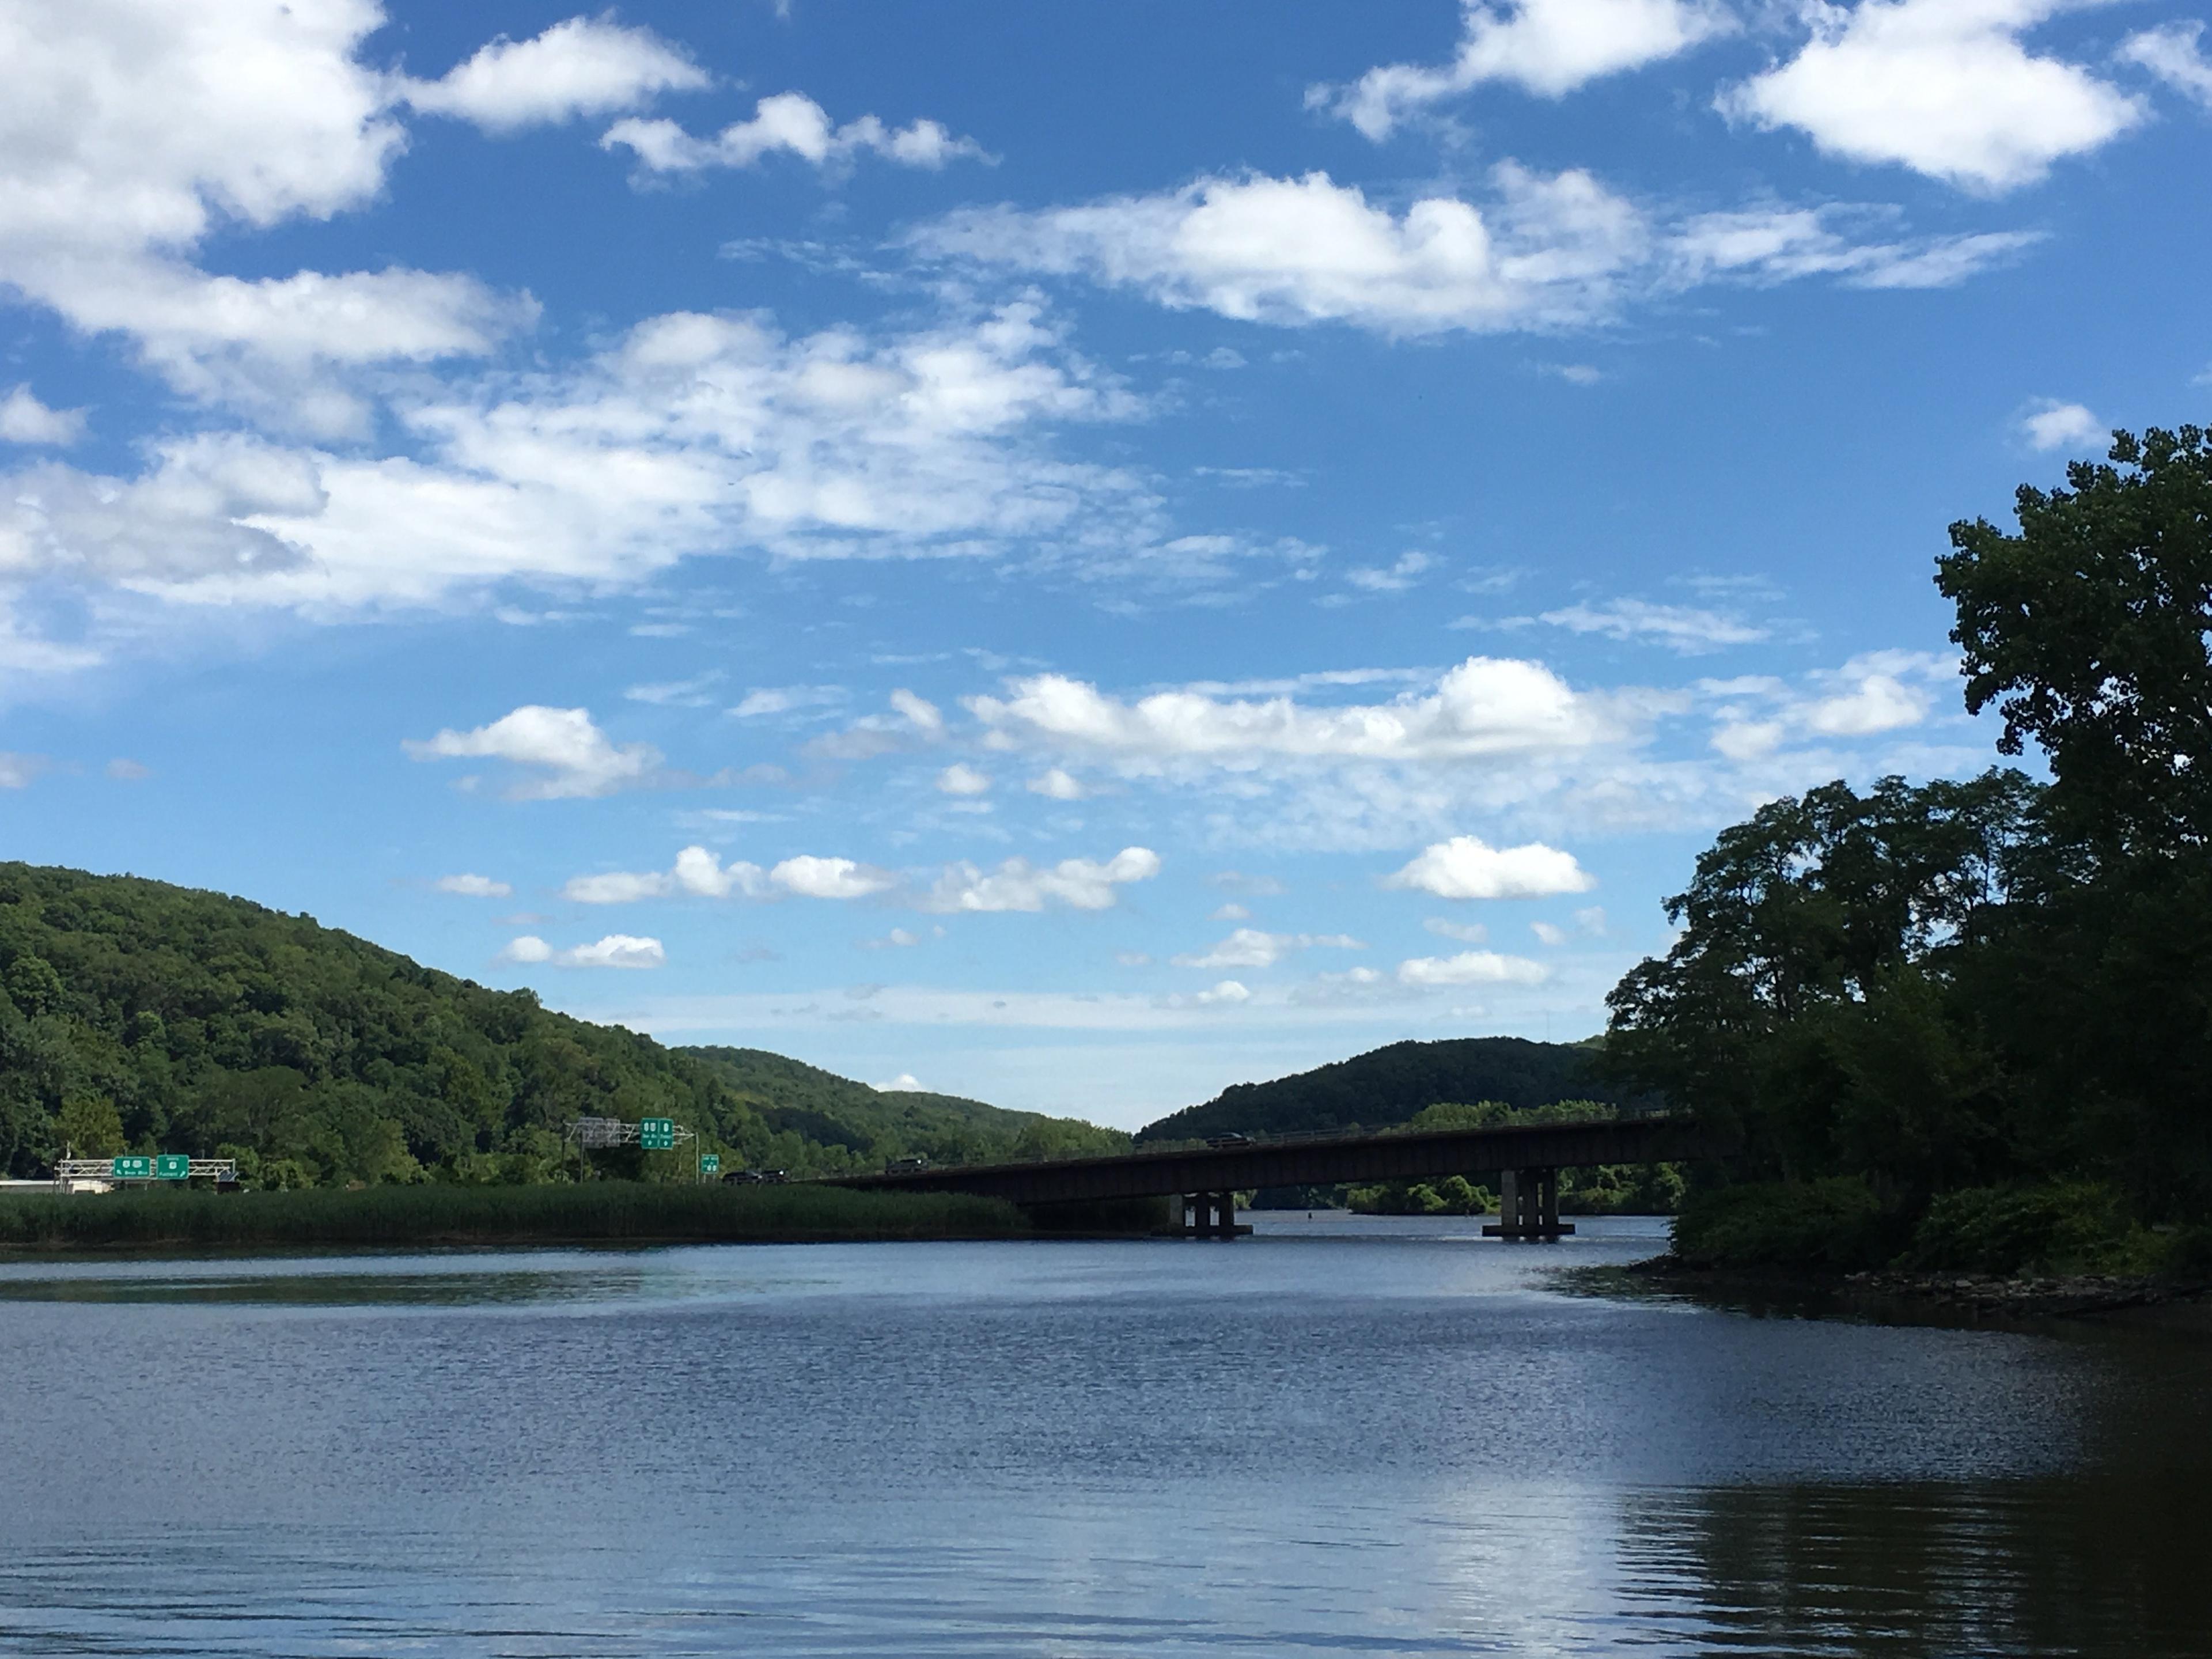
(2086, 629)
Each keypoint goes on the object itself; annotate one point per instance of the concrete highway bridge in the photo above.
(1526, 1158)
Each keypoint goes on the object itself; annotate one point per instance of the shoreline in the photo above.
(2138, 1298)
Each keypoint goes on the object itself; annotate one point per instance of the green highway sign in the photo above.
(656, 1134)
(710, 1163)
(130, 1167)
(172, 1166)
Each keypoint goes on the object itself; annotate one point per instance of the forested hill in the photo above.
(834, 1111)
(136, 1015)
(1387, 1086)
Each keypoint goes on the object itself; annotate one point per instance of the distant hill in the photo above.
(137, 1016)
(1385, 1087)
(834, 1111)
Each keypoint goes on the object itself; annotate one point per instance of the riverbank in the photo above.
(1946, 1295)
(592, 1213)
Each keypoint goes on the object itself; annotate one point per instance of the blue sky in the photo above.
(1075, 554)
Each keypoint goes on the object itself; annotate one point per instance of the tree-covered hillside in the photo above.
(138, 1016)
(790, 1094)
(1387, 1086)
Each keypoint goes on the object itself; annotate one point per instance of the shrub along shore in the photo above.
(592, 1213)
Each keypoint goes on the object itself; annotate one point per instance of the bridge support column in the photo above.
(1528, 1206)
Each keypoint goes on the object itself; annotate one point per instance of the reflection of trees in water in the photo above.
(2091, 1566)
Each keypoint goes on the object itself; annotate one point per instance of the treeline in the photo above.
(1604, 1189)
(136, 1015)
(1970, 1023)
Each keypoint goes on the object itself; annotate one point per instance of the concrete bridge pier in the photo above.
(1207, 1215)
(1528, 1206)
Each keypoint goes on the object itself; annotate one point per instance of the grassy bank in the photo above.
(600, 1211)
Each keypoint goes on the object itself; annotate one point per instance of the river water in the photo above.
(1339, 1437)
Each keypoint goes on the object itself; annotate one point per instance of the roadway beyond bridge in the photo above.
(1526, 1158)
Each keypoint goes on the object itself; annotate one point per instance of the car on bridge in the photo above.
(1232, 1139)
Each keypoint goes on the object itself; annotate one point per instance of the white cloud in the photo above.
(1079, 884)
(25, 420)
(1230, 913)
(2054, 425)
(1591, 921)
(962, 779)
(576, 758)
(1228, 994)
(1485, 707)
(584, 66)
(788, 124)
(471, 886)
(904, 1083)
(129, 129)
(123, 770)
(1878, 702)
(913, 720)
(1548, 47)
(1549, 932)
(1470, 967)
(1943, 87)
(2172, 53)
(1056, 785)
(1249, 947)
(1297, 251)
(1394, 578)
(1682, 627)
(676, 694)
(1466, 932)
(1466, 867)
(897, 939)
(1539, 251)
(17, 771)
(783, 699)
(830, 879)
(699, 873)
(615, 950)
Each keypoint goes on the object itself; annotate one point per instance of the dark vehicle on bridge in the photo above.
(903, 1165)
(1232, 1139)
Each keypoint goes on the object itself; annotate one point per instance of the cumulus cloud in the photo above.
(809, 877)
(1485, 707)
(1467, 867)
(584, 66)
(25, 420)
(1548, 47)
(904, 1083)
(1056, 785)
(699, 873)
(1943, 87)
(17, 771)
(1870, 695)
(1078, 884)
(129, 129)
(1466, 932)
(615, 950)
(962, 779)
(1470, 967)
(788, 124)
(2053, 425)
(473, 886)
(1249, 947)
(1535, 251)
(1227, 994)
(2173, 53)
(1393, 578)
(572, 756)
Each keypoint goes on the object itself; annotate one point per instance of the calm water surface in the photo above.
(1342, 1436)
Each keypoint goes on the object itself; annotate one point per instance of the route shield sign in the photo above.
(172, 1166)
(130, 1167)
(710, 1163)
(656, 1134)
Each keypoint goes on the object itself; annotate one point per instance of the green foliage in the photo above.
(90, 1127)
(1452, 1195)
(2070, 1226)
(1387, 1086)
(597, 1211)
(211, 1025)
(1990, 1001)
(1834, 1224)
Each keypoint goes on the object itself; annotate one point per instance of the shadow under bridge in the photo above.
(1527, 1160)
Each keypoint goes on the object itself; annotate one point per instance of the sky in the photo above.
(1070, 553)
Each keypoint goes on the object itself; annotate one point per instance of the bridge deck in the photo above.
(1319, 1161)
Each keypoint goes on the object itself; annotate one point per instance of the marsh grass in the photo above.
(599, 1212)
